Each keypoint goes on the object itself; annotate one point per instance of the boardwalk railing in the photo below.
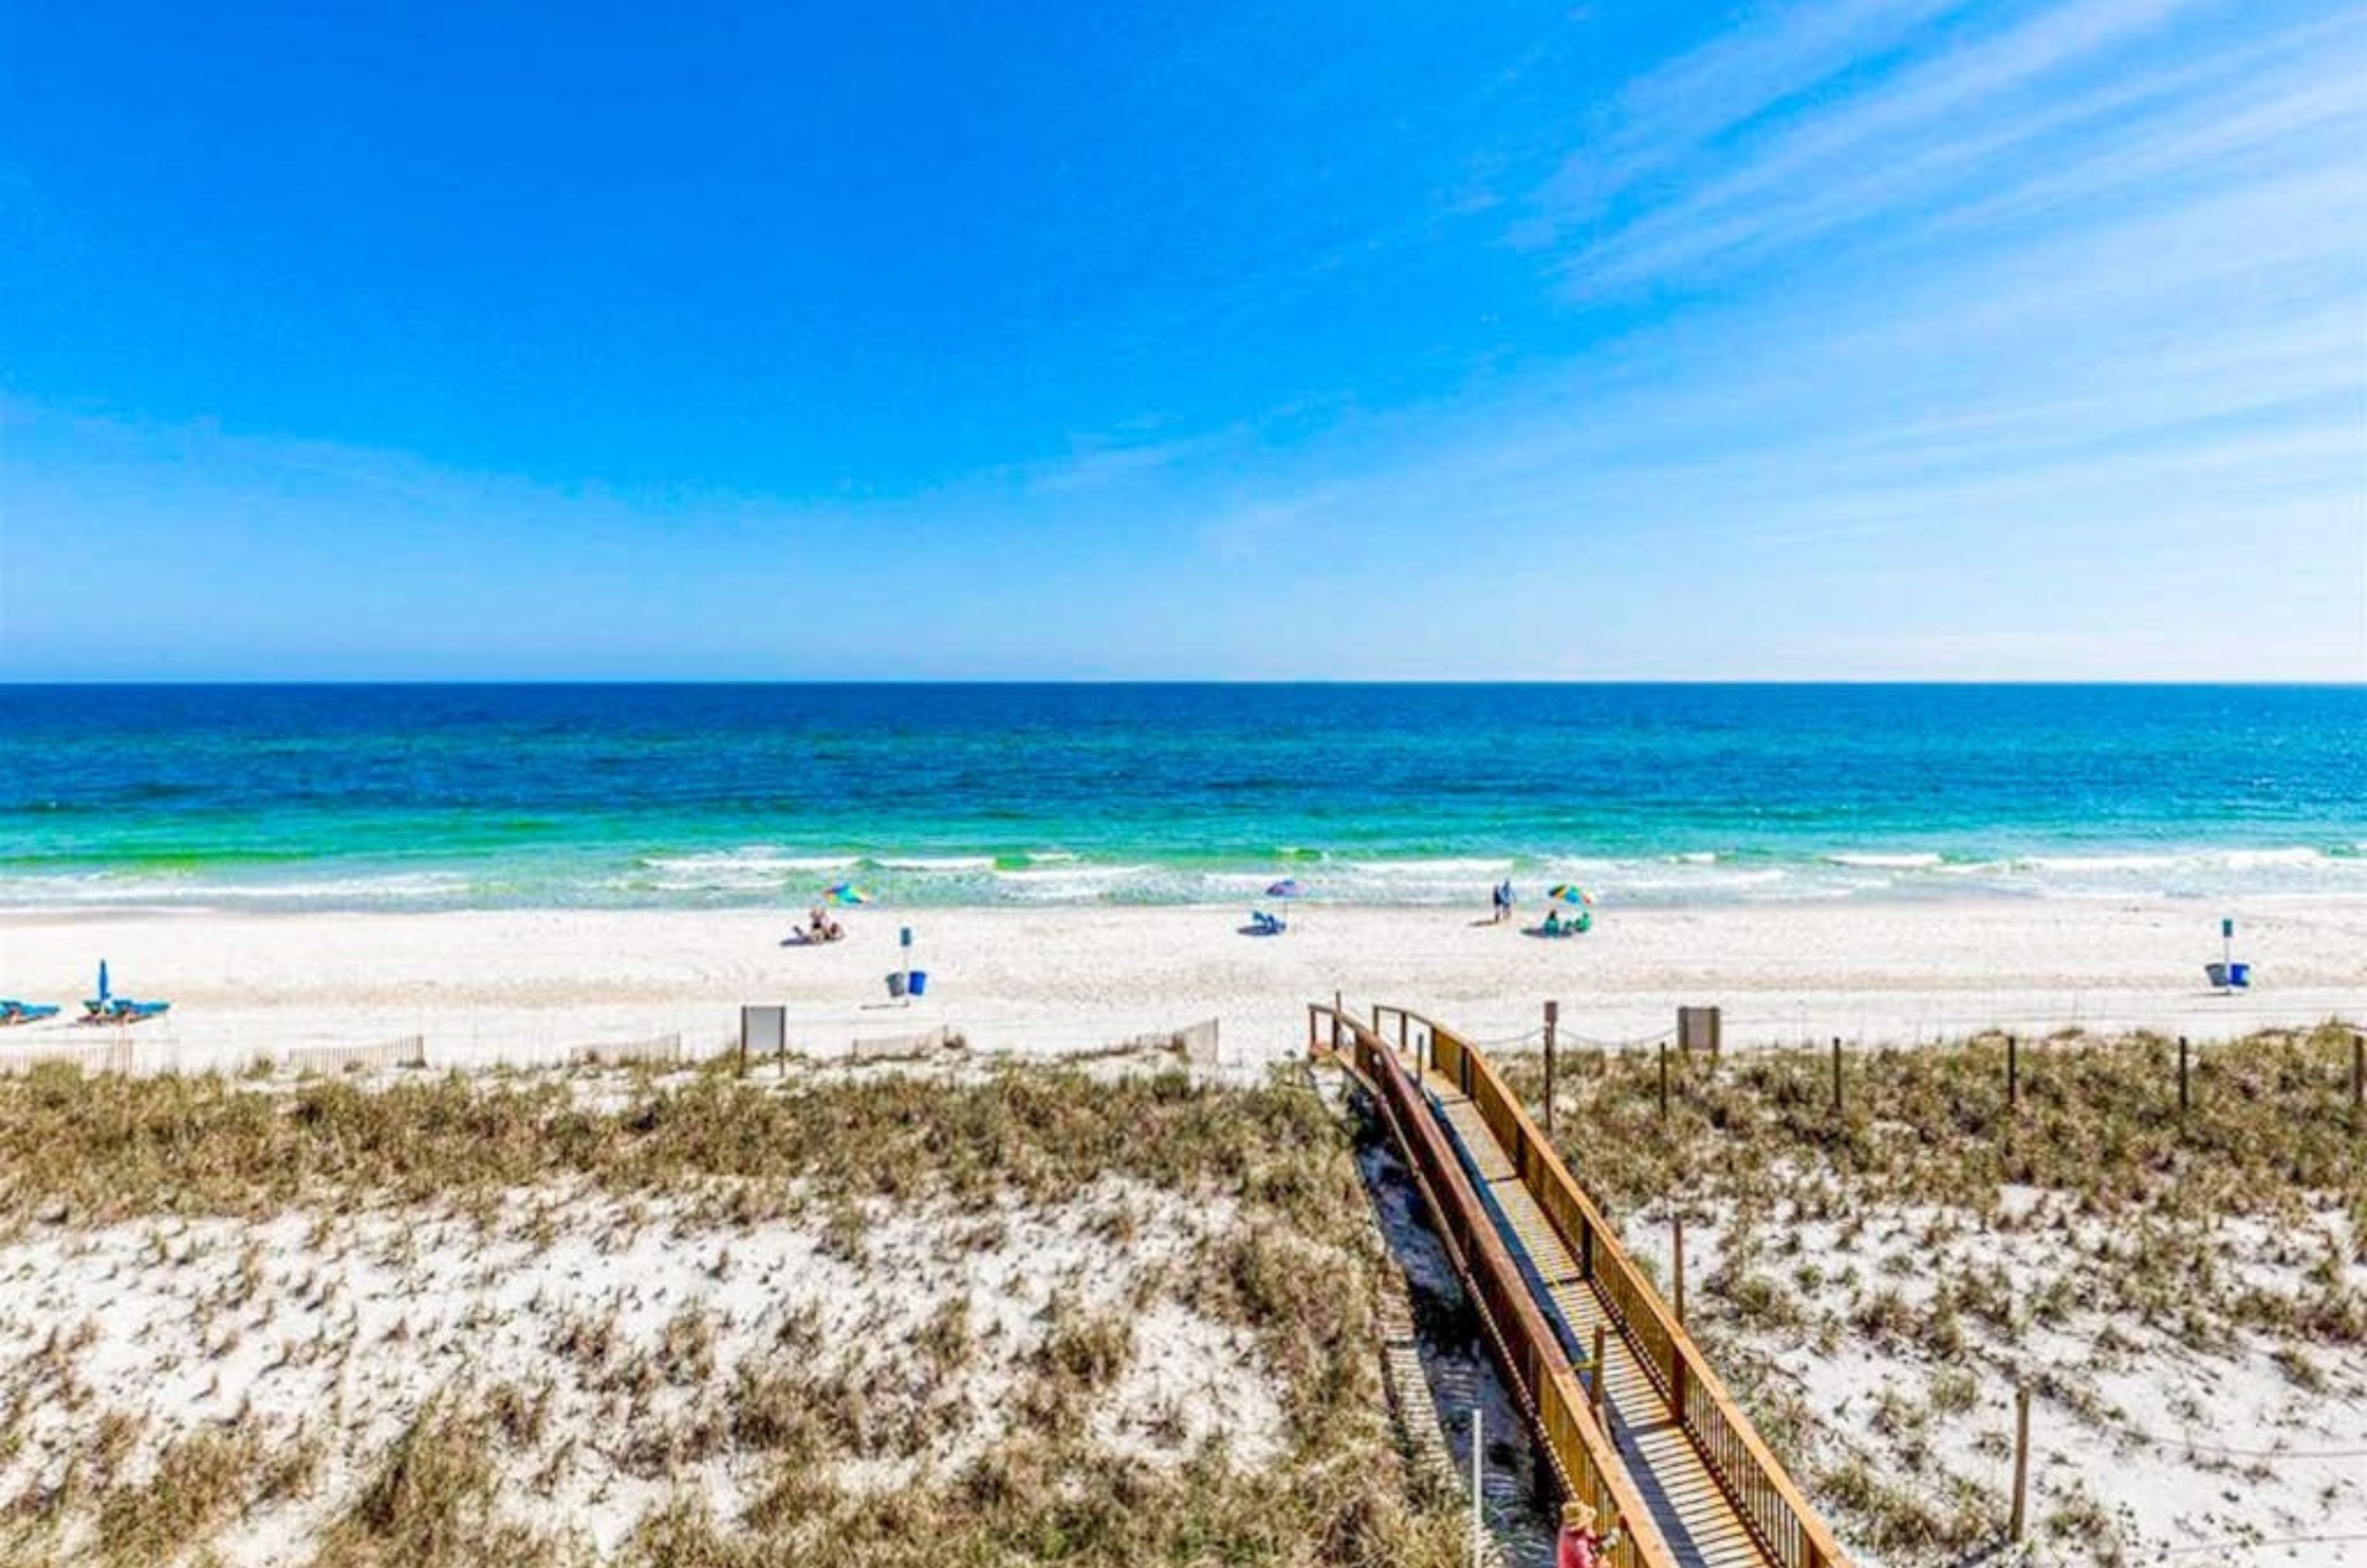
(1526, 1351)
(1787, 1529)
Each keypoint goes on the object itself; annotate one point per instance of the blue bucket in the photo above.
(2239, 975)
(920, 987)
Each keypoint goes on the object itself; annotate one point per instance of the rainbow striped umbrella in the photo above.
(846, 894)
(1569, 893)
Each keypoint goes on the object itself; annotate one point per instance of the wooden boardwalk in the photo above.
(1650, 1436)
(1699, 1522)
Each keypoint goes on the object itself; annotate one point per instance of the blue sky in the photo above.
(1846, 339)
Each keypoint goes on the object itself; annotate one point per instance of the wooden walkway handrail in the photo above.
(1583, 1462)
(1790, 1530)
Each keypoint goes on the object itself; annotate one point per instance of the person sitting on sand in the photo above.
(1580, 1545)
(1552, 923)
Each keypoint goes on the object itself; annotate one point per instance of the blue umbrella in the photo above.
(1287, 888)
(102, 979)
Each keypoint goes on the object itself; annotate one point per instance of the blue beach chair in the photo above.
(1264, 924)
(126, 1010)
(2228, 977)
(13, 1011)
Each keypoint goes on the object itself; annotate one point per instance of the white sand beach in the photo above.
(532, 984)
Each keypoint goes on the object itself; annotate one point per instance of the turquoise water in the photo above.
(448, 797)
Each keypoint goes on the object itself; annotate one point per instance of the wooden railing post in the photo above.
(1595, 1384)
(2185, 1098)
(2013, 1072)
(1664, 1080)
(1837, 1075)
(2358, 1068)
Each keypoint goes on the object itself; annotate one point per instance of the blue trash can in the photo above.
(920, 982)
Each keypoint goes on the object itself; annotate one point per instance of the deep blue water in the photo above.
(564, 796)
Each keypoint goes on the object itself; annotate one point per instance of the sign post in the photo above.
(904, 954)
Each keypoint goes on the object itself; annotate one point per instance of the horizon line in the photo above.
(587, 682)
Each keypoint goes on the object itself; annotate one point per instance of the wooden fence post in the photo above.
(2358, 1068)
(1677, 1246)
(1837, 1075)
(1594, 1384)
(1664, 1080)
(2021, 1459)
(2013, 1072)
(1553, 1018)
(2184, 1097)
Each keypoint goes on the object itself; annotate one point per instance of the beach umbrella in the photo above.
(846, 895)
(102, 979)
(1287, 888)
(1569, 893)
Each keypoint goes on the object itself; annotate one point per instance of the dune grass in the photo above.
(1961, 1238)
(1294, 1266)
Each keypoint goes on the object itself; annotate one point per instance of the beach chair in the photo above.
(12, 1012)
(2228, 977)
(128, 1011)
(1264, 924)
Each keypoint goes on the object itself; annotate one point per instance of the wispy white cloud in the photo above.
(1666, 115)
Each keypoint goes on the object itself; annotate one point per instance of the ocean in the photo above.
(567, 796)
